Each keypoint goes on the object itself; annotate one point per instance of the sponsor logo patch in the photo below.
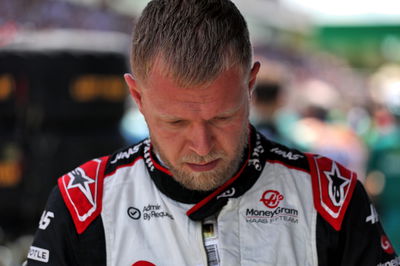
(134, 213)
(337, 184)
(38, 254)
(271, 198)
(79, 179)
(276, 213)
(149, 212)
(82, 190)
(287, 154)
(126, 154)
(333, 186)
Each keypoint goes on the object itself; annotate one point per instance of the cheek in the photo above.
(229, 138)
(170, 143)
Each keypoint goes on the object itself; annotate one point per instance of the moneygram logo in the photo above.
(275, 214)
(271, 198)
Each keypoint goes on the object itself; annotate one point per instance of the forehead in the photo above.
(161, 92)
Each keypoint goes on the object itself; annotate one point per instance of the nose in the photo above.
(201, 139)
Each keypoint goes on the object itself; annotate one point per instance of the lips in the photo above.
(203, 167)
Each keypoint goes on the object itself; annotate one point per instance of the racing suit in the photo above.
(282, 207)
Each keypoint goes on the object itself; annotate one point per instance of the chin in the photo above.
(204, 181)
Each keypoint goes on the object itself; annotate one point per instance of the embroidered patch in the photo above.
(38, 254)
(333, 186)
(82, 190)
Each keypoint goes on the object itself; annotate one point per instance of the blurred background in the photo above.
(329, 83)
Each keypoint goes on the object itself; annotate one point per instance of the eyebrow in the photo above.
(228, 112)
(169, 117)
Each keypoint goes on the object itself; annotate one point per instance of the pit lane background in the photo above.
(63, 100)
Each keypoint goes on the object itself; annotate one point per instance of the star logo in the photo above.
(80, 180)
(337, 183)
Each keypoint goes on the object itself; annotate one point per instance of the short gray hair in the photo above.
(197, 39)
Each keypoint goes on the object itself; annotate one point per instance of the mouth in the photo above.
(203, 167)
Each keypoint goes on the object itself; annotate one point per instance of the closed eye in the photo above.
(176, 123)
(222, 118)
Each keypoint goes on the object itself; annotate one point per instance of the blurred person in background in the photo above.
(383, 179)
(206, 188)
(318, 131)
(268, 99)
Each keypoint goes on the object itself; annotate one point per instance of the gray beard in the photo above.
(210, 180)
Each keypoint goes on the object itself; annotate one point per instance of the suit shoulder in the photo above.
(127, 156)
(333, 186)
(332, 183)
(289, 157)
(82, 191)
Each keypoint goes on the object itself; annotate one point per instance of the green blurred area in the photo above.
(364, 46)
(368, 47)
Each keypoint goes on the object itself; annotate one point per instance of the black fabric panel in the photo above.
(358, 242)
(65, 245)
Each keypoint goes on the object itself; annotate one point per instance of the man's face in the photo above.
(198, 132)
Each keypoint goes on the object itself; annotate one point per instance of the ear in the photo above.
(253, 75)
(134, 90)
